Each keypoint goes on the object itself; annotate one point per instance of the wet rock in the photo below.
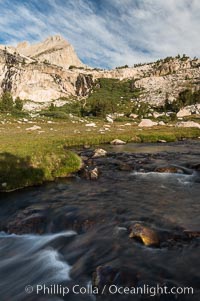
(90, 173)
(117, 142)
(35, 223)
(94, 174)
(125, 167)
(196, 166)
(84, 158)
(78, 224)
(163, 238)
(146, 235)
(169, 169)
(86, 153)
(108, 275)
(192, 233)
(99, 152)
(104, 275)
(32, 219)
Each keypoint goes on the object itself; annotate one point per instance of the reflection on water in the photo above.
(155, 147)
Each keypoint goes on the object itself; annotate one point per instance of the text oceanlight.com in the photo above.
(108, 289)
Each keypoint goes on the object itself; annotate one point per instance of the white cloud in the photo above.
(122, 32)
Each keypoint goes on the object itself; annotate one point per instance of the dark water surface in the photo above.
(61, 232)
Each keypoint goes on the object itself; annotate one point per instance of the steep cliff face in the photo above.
(40, 73)
(8, 70)
(39, 82)
(84, 84)
(54, 50)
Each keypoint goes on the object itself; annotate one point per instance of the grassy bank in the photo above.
(29, 157)
(26, 160)
(32, 167)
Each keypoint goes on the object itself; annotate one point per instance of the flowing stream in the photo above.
(61, 232)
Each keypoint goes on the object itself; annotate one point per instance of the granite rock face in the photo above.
(39, 82)
(54, 50)
(168, 79)
(40, 74)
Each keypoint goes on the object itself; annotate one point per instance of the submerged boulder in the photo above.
(107, 275)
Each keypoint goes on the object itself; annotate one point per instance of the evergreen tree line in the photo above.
(7, 104)
(185, 98)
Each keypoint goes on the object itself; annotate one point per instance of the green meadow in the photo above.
(31, 156)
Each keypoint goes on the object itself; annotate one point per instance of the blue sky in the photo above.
(107, 33)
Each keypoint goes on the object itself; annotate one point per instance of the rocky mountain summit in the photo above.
(50, 71)
(54, 50)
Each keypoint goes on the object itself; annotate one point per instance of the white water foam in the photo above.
(52, 260)
(181, 178)
(32, 242)
(33, 259)
(48, 257)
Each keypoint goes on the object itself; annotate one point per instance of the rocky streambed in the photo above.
(129, 218)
